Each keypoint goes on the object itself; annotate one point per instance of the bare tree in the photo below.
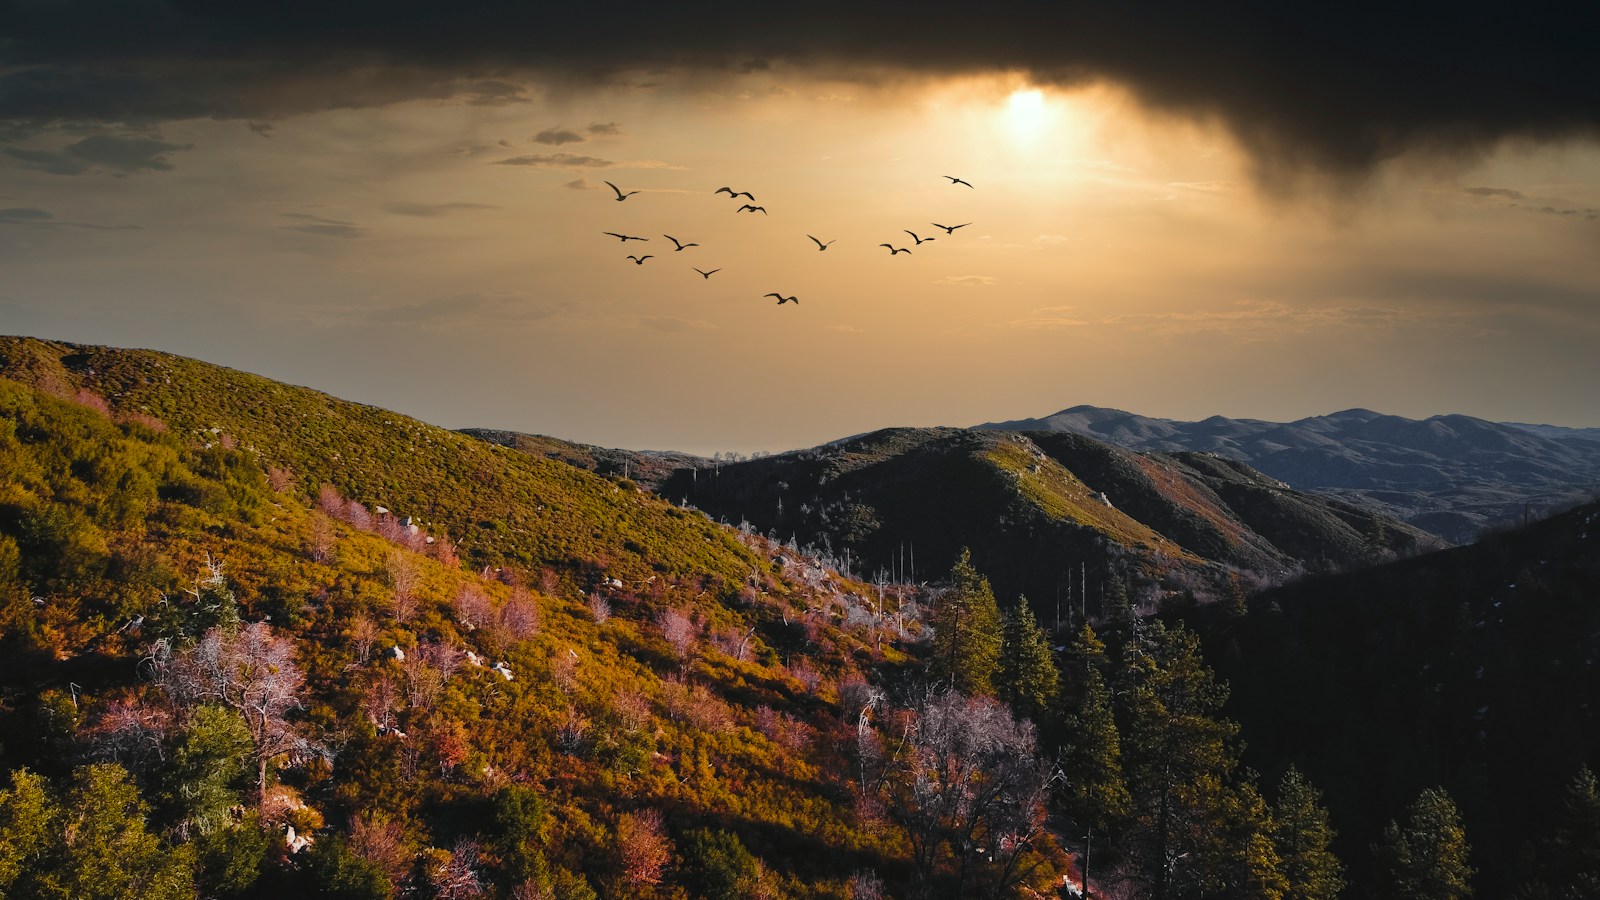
(643, 850)
(971, 794)
(679, 630)
(403, 579)
(250, 670)
(472, 607)
(363, 635)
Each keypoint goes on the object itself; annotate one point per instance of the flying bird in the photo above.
(821, 245)
(734, 195)
(763, 209)
(782, 299)
(639, 260)
(621, 196)
(954, 180)
(919, 240)
(678, 245)
(950, 229)
(706, 275)
(894, 250)
(624, 237)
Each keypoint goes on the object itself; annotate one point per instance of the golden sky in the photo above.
(445, 257)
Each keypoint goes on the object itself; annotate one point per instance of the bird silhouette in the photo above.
(706, 275)
(782, 299)
(624, 237)
(678, 245)
(894, 250)
(733, 194)
(919, 240)
(954, 180)
(949, 229)
(820, 245)
(620, 195)
(763, 209)
(639, 260)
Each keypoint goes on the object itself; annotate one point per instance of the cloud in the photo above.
(262, 128)
(1507, 193)
(604, 129)
(433, 210)
(317, 225)
(967, 280)
(579, 184)
(666, 323)
(558, 160)
(467, 309)
(1303, 87)
(1590, 213)
(102, 153)
(1204, 187)
(558, 136)
(24, 216)
(39, 218)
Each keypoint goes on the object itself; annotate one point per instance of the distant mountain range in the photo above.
(1450, 475)
(1043, 513)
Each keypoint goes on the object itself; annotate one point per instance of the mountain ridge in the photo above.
(1450, 474)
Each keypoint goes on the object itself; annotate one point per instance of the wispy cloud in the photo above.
(604, 129)
(101, 153)
(317, 225)
(557, 136)
(39, 218)
(967, 280)
(434, 210)
(557, 160)
(1505, 193)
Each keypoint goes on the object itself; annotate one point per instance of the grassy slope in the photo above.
(108, 518)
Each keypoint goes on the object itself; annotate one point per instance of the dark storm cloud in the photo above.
(100, 153)
(262, 128)
(317, 225)
(1333, 87)
(558, 160)
(558, 136)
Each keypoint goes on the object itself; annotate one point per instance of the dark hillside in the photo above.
(1472, 668)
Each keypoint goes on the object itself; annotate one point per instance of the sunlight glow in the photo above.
(1027, 115)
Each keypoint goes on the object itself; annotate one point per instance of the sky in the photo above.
(1254, 212)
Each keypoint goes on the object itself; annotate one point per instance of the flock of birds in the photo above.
(679, 246)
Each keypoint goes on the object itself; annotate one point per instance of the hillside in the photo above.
(597, 695)
(1473, 668)
(1450, 475)
(1034, 508)
(646, 468)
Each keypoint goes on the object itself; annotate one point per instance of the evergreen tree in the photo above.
(1180, 761)
(1568, 860)
(1027, 678)
(91, 845)
(1096, 793)
(1303, 837)
(1427, 859)
(28, 817)
(966, 631)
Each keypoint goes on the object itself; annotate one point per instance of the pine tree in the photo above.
(966, 631)
(1568, 860)
(1096, 794)
(1180, 761)
(1303, 837)
(1427, 859)
(1027, 678)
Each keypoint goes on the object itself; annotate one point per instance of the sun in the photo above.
(1027, 114)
